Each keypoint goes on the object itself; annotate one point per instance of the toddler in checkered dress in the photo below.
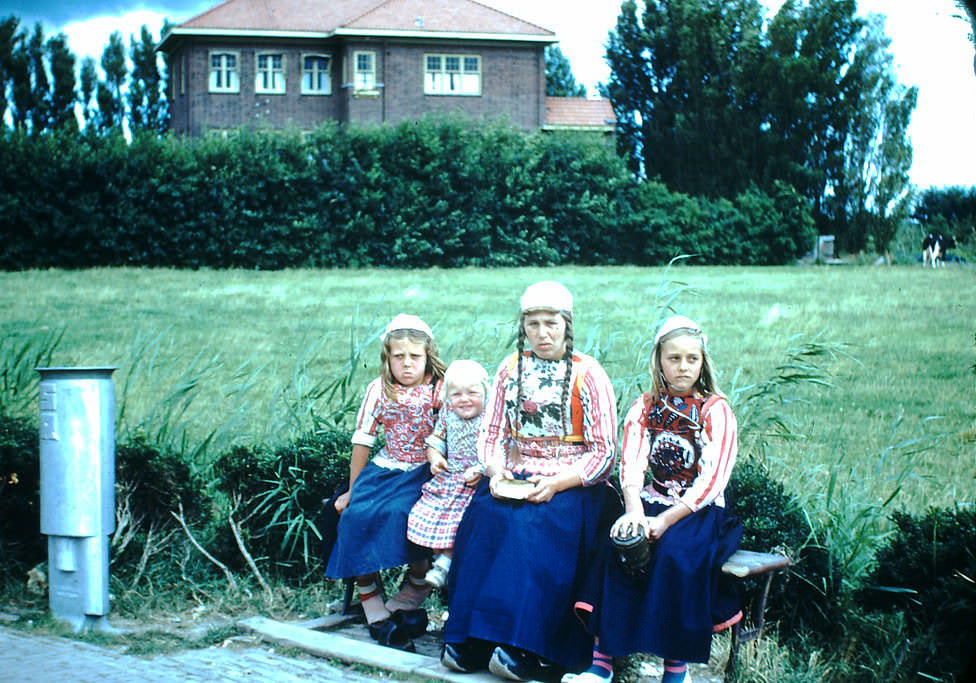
(453, 456)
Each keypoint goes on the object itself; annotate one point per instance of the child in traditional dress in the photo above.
(452, 450)
(372, 529)
(683, 434)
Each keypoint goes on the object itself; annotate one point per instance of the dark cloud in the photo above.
(56, 13)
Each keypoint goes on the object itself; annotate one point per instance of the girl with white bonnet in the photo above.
(372, 532)
(679, 447)
(547, 441)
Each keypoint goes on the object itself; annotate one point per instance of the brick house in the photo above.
(277, 63)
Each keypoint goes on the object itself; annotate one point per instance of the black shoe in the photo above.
(516, 664)
(412, 621)
(466, 657)
(389, 634)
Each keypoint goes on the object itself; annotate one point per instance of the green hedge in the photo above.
(445, 192)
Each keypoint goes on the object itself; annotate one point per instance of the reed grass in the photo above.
(210, 358)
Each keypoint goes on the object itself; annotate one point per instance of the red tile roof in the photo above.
(353, 16)
(576, 113)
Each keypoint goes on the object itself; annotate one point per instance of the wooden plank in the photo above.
(745, 563)
(356, 651)
(327, 621)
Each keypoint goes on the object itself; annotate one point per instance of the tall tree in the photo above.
(40, 89)
(21, 90)
(61, 106)
(682, 90)
(712, 99)
(88, 87)
(969, 7)
(148, 108)
(560, 81)
(8, 46)
(111, 106)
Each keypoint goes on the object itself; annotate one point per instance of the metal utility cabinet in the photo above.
(77, 458)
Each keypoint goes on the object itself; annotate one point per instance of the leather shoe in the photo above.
(466, 657)
(412, 621)
(389, 634)
(516, 664)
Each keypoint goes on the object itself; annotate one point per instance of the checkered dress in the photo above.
(435, 517)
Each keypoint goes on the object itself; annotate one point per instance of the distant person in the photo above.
(548, 441)
(372, 530)
(681, 437)
(452, 450)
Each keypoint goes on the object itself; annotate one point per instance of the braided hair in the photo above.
(567, 356)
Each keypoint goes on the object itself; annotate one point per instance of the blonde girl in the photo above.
(453, 455)
(404, 401)
(681, 436)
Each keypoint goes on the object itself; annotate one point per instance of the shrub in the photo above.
(21, 544)
(927, 571)
(275, 496)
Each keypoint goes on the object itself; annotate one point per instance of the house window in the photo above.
(224, 72)
(183, 67)
(452, 75)
(316, 75)
(269, 73)
(364, 73)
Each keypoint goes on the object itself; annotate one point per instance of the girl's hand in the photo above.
(628, 524)
(472, 475)
(495, 478)
(656, 526)
(342, 502)
(438, 463)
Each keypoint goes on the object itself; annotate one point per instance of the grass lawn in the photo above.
(244, 355)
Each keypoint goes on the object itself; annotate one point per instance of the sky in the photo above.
(929, 42)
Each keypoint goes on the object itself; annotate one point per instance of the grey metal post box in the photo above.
(77, 456)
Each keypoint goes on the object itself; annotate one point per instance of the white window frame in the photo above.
(451, 77)
(364, 79)
(276, 75)
(232, 75)
(315, 75)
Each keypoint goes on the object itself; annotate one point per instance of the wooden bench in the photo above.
(743, 564)
(746, 564)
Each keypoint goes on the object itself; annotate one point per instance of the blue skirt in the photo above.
(517, 569)
(372, 531)
(673, 611)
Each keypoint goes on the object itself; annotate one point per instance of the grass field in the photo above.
(245, 355)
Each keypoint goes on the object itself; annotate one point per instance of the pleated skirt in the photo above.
(517, 569)
(684, 598)
(372, 531)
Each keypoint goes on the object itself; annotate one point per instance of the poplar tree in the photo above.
(61, 105)
(111, 106)
(560, 81)
(148, 108)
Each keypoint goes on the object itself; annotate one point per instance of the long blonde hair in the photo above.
(706, 383)
(434, 367)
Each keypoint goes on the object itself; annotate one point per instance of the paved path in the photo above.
(31, 657)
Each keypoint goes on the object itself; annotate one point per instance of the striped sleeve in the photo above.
(720, 445)
(635, 448)
(493, 437)
(599, 425)
(367, 420)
